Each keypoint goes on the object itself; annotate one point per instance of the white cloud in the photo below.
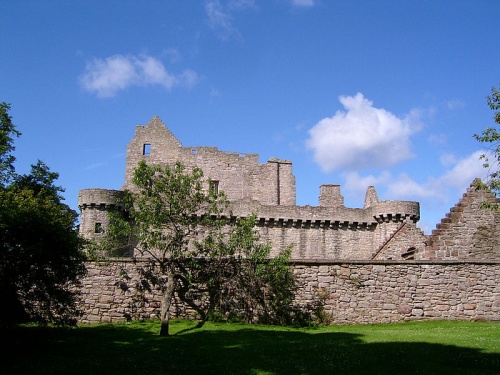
(464, 172)
(357, 184)
(436, 194)
(362, 136)
(94, 166)
(220, 20)
(455, 104)
(242, 4)
(456, 178)
(303, 3)
(447, 159)
(106, 77)
(438, 139)
(172, 54)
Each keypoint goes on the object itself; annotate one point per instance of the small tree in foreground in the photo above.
(491, 136)
(215, 265)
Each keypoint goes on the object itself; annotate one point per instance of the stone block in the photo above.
(469, 306)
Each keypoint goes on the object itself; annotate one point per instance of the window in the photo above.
(146, 149)
(214, 186)
(98, 228)
(193, 152)
(410, 254)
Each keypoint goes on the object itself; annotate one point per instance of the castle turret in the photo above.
(396, 211)
(95, 206)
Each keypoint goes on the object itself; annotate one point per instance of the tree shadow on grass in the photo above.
(118, 350)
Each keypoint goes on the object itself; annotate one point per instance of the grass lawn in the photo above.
(219, 348)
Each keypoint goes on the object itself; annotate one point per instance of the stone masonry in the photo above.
(327, 231)
(370, 264)
(352, 292)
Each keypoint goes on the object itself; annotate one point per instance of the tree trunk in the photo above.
(166, 303)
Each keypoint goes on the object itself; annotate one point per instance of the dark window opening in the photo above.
(410, 254)
(193, 152)
(146, 149)
(214, 186)
(98, 228)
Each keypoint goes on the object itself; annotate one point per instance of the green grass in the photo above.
(135, 348)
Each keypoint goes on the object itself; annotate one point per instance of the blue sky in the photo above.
(359, 93)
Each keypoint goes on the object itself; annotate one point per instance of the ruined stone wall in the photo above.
(352, 292)
(406, 243)
(239, 175)
(327, 231)
(320, 241)
(468, 231)
(334, 231)
(330, 231)
(393, 291)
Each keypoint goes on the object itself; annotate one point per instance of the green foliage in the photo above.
(40, 252)
(7, 132)
(214, 264)
(243, 281)
(491, 136)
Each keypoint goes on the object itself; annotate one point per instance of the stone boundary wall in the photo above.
(353, 292)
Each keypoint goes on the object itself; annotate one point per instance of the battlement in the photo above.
(99, 197)
(327, 231)
(95, 206)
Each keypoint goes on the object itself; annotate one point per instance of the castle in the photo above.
(330, 231)
(370, 264)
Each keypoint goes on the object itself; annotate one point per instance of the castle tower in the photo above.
(95, 206)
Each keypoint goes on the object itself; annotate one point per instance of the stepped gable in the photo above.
(469, 230)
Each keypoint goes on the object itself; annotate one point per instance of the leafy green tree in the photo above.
(7, 132)
(41, 257)
(243, 281)
(188, 248)
(491, 136)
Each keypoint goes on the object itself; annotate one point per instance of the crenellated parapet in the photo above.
(95, 206)
(326, 231)
(99, 197)
(396, 211)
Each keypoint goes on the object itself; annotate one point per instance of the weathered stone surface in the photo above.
(373, 264)
(379, 301)
(326, 231)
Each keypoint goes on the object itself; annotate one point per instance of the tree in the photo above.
(491, 136)
(187, 247)
(7, 131)
(41, 256)
(242, 280)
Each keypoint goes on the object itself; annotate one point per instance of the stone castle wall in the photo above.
(371, 264)
(468, 231)
(380, 230)
(240, 176)
(327, 231)
(352, 292)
